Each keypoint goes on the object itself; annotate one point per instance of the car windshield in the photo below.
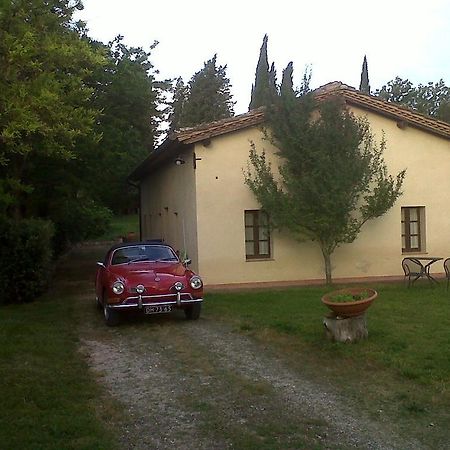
(137, 253)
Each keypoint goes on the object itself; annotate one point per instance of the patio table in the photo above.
(425, 262)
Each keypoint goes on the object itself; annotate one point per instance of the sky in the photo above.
(406, 38)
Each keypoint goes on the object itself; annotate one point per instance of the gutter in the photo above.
(138, 187)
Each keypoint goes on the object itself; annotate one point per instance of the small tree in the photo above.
(332, 175)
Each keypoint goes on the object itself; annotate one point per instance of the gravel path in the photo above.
(201, 385)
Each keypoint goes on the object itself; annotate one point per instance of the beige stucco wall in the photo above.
(168, 207)
(222, 197)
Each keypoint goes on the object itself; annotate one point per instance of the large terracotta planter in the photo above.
(350, 308)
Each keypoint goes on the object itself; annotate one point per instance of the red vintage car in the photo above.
(147, 277)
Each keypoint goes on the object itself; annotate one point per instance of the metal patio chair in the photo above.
(412, 269)
(447, 270)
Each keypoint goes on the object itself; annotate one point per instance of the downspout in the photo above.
(138, 187)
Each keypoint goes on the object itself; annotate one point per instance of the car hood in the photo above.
(149, 272)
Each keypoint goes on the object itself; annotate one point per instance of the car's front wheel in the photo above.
(193, 312)
(112, 317)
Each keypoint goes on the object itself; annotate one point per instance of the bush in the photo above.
(79, 220)
(25, 259)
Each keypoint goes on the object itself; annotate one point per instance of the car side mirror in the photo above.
(186, 262)
(101, 264)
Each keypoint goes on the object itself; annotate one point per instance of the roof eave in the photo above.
(169, 148)
(399, 118)
(181, 140)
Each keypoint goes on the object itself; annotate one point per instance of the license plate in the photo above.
(157, 309)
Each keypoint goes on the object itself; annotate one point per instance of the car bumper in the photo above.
(178, 300)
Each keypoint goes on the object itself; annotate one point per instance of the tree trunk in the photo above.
(351, 329)
(327, 259)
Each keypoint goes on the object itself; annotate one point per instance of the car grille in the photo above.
(158, 298)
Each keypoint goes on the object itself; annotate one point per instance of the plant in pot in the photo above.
(349, 302)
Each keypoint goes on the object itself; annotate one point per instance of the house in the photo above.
(192, 194)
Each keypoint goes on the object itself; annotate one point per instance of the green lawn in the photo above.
(401, 371)
(121, 226)
(401, 374)
(49, 399)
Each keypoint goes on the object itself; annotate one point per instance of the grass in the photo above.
(49, 399)
(401, 374)
(402, 370)
(121, 226)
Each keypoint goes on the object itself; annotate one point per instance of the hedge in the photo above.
(25, 259)
(76, 221)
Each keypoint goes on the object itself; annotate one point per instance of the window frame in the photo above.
(256, 227)
(407, 235)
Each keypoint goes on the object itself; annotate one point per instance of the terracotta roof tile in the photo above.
(209, 130)
(391, 110)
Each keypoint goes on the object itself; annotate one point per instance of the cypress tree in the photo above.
(265, 89)
(364, 85)
(273, 91)
(287, 86)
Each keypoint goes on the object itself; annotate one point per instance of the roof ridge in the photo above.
(207, 125)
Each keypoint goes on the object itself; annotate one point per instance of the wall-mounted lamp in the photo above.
(179, 160)
(195, 159)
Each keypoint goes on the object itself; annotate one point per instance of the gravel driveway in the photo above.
(202, 385)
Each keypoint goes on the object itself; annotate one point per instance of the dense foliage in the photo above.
(364, 85)
(76, 116)
(432, 98)
(180, 97)
(206, 98)
(332, 175)
(79, 220)
(264, 90)
(128, 96)
(25, 259)
(44, 97)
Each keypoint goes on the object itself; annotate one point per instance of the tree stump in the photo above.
(348, 329)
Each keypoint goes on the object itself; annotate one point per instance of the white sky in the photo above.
(406, 38)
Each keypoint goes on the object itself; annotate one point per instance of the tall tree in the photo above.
(364, 85)
(208, 97)
(273, 88)
(287, 85)
(45, 98)
(180, 96)
(432, 98)
(264, 90)
(333, 177)
(129, 97)
(126, 93)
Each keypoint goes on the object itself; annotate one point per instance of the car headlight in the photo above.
(178, 286)
(118, 287)
(196, 282)
(140, 289)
